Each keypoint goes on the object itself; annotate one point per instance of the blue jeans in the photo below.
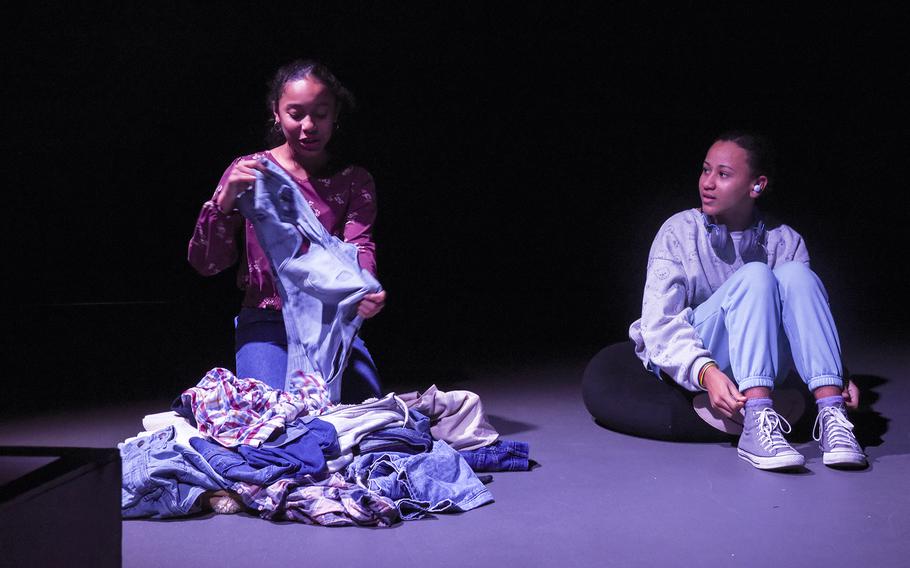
(438, 481)
(501, 455)
(263, 466)
(261, 352)
(760, 321)
(320, 288)
(162, 478)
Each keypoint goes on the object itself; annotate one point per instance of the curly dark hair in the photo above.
(301, 69)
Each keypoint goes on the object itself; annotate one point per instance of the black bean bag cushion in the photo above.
(623, 396)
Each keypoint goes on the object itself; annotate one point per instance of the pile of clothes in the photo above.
(234, 444)
(231, 444)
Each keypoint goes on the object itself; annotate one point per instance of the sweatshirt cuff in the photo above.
(696, 367)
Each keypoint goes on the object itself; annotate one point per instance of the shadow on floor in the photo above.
(507, 427)
(871, 425)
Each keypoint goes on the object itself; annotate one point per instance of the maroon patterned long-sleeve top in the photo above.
(344, 202)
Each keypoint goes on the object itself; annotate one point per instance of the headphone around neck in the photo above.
(751, 246)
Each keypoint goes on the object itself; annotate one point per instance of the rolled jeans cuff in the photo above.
(752, 382)
(825, 381)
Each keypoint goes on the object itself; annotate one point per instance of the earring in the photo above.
(277, 126)
(757, 188)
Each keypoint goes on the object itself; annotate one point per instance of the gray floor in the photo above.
(598, 498)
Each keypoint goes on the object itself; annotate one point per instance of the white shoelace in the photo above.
(771, 430)
(838, 430)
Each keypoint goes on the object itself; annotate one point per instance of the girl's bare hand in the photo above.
(723, 393)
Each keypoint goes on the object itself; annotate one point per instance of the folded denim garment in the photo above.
(438, 481)
(501, 455)
(304, 456)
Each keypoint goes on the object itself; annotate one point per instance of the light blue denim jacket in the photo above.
(320, 288)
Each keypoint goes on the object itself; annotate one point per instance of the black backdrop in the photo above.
(524, 158)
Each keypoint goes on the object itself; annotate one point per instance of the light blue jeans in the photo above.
(438, 481)
(320, 288)
(162, 478)
(761, 321)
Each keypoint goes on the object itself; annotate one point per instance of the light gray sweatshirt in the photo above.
(684, 271)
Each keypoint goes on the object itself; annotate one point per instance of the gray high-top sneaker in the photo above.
(834, 434)
(762, 442)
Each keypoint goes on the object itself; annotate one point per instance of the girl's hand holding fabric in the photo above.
(723, 393)
(371, 304)
(241, 178)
